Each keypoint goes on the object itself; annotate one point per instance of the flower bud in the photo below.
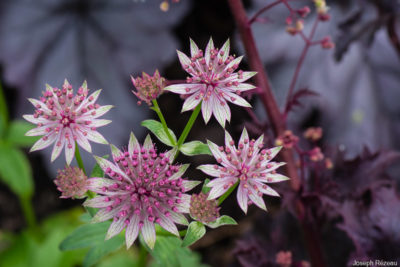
(148, 87)
(71, 182)
(202, 209)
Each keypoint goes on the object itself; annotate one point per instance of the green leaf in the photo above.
(158, 130)
(195, 231)
(97, 171)
(206, 189)
(195, 148)
(168, 252)
(223, 220)
(85, 236)
(103, 249)
(16, 133)
(15, 171)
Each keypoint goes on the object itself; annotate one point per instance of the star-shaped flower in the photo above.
(213, 81)
(249, 165)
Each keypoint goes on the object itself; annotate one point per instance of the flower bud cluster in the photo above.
(202, 209)
(71, 182)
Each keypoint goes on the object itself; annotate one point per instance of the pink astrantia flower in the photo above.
(249, 165)
(63, 118)
(212, 81)
(144, 188)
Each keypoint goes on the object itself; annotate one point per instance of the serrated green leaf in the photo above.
(223, 220)
(195, 231)
(158, 130)
(102, 249)
(15, 171)
(85, 236)
(206, 189)
(195, 148)
(16, 134)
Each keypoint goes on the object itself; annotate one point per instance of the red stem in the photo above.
(262, 10)
(307, 45)
(278, 125)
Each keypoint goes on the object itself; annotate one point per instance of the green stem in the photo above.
(227, 193)
(187, 128)
(79, 158)
(157, 109)
(142, 260)
(27, 209)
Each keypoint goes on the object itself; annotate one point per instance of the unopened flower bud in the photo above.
(71, 182)
(328, 163)
(291, 30)
(304, 11)
(202, 209)
(313, 133)
(316, 154)
(326, 43)
(148, 87)
(299, 25)
(287, 139)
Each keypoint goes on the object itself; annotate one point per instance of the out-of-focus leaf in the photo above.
(195, 148)
(15, 171)
(28, 249)
(168, 252)
(195, 231)
(102, 249)
(16, 134)
(157, 129)
(122, 258)
(223, 220)
(85, 236)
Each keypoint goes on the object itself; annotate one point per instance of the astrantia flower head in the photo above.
(249, 165)
(63, 118)
(71, 182)
(148, 87)
(213, 81)
(202, 209)
(143, 188)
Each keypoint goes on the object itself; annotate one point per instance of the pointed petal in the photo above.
(132, 231)
(246, 75)
(242, 198)
(34, 120)
(97, 202)
(41, 144)
(180, 172)
(184, 89)
(189, 185)
(210, 170)
(184, 60)
(149, 233)
(179, 218)
(82, 141)
(225, 48)
(104, 215)
(115, 228)
(206, 109)
(258, 200)
(221, 112)
(276, 178)
(133, 144)
(96, 137)
(115, 151)
(194, 50)
(69, 152)
(99, 123)
(235, 99)
(272, 152)
(209, 47)
(191, 102)
(265, 189)
(184, 206)
(168, 224)
(37, 131)
(97, 184)
(104, 164)
(58, 146)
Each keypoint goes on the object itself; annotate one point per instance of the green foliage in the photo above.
(39, 247)
(15, 171)
(92, 236)
(16, 134)
(157, 129)
(223, 220)
(194, 148)
(195, 231)
(206, 189)
(168, 252)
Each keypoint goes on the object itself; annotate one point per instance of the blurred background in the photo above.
(357, 208)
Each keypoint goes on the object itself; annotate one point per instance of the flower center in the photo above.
(66, 121)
